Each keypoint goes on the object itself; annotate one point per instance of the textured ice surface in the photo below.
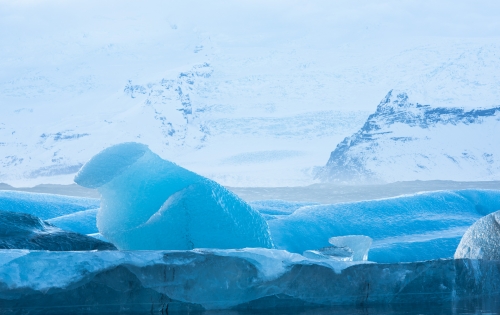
(359, 244)
(150, 203)
(25, 231)
(81, 222)
(44, 206)
(331, 252)
(250, 279)
(482, 239)
(407, 228)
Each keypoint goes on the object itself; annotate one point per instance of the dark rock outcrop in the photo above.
(26, 231)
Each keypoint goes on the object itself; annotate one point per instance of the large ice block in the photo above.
(415, 227)
(482, 239)
(151, 203)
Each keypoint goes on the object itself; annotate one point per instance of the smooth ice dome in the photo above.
(151, 203)
(359, 244)
(482, 239)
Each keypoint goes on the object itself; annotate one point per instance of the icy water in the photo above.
(489, 307)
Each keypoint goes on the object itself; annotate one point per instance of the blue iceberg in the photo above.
(151, 203)
(416, 227)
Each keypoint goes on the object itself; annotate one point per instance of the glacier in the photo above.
(151, 203)
(482, 239)
(405, 140)
(246, 280)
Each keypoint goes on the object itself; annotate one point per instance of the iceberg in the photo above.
(482, 239)
(151, 203)
(44, 206)
(245, 280)
(25, 231)
(422, 226)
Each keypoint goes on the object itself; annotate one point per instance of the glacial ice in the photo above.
(151, 203)
(482, 239)
(247, 280)
(80, 222)
(359, 244)
(44, 206)
(330, 252)
(25, 231)
(415, 227)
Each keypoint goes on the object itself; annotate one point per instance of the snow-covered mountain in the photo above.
(248, 93)
(405, 140)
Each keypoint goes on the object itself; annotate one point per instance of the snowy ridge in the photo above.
(405, 141)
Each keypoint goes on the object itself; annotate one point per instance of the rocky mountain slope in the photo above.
(405, 140)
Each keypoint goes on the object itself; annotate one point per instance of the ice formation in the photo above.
(408, 228)
(247, 280)
(330, 252)
(482, 239)
(81, 222)
(25, 231)
(359, 244)
(44, 206)
(151, 203)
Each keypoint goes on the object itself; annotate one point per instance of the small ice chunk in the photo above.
(359, 244)
(482, 239)
(151, 203)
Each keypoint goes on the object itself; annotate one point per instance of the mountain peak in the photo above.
(395, 100)
(405, 141)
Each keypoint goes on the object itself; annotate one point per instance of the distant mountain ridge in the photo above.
(410, 141)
